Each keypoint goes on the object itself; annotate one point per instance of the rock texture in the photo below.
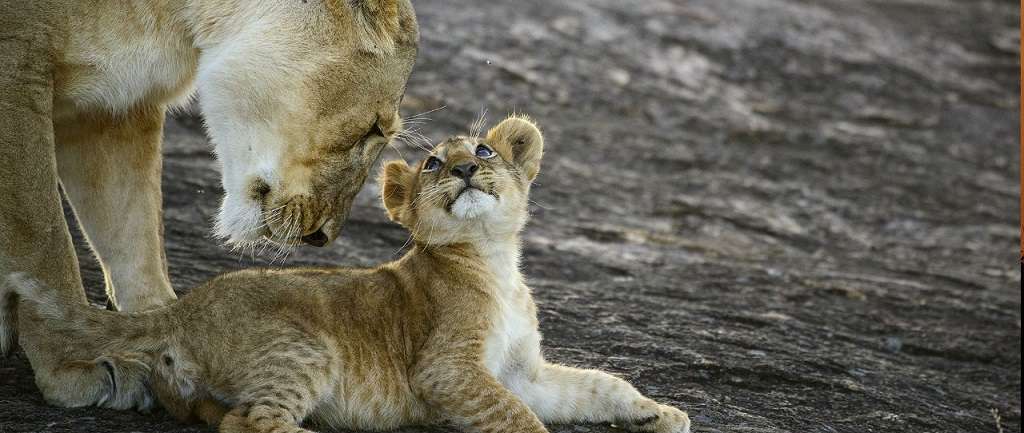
(782, 216)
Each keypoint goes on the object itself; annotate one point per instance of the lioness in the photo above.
(448, 332)
(299, 98)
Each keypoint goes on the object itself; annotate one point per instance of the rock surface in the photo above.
(779, 215)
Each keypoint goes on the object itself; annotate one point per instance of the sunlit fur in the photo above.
(298, 98)
(448, 332)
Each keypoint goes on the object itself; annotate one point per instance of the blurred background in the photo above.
(779, 215)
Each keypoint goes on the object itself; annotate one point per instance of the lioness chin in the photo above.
(299, 98)
(448, 332)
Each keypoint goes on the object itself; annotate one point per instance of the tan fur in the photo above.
(299, 99)
(448, 332)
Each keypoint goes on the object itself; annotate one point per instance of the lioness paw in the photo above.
(126, 375)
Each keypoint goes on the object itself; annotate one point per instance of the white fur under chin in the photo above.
(238, 221)
(473, 203)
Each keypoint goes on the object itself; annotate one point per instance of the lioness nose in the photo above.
(464, 171)
(259, 189)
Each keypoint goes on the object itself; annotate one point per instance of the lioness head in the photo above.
(468, 189)
(299, 99)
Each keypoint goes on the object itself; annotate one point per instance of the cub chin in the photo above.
(446, 333)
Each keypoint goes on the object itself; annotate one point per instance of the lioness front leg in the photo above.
(110, 167)
(563, 394)
(34, 236)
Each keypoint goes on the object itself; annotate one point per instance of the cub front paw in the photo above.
(660, 418)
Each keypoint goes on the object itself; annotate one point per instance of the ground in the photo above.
(779, 215)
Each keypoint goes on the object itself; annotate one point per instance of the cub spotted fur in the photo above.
(447, 332)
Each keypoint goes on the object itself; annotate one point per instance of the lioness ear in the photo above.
(519, 137)
(395, 186)
(379, 22)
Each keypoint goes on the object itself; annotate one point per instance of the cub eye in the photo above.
(482, 151)
(431, 164)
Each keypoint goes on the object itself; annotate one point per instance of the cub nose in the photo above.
(464, 171)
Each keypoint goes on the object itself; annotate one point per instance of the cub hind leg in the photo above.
(260, 418)
(282, 388)
(277, 407)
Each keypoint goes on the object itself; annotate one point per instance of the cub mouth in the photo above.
(466, 189)
(471, 201)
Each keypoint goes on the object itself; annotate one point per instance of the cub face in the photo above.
(467, 189)
(299, 110)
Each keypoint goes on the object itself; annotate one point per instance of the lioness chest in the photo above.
(120, 62)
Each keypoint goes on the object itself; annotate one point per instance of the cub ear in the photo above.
(520, 138)
(395, 187)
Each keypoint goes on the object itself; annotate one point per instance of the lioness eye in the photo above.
(374, 131)
(482, 151)
(431, 164)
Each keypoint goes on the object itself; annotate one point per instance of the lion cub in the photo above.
(447, 332)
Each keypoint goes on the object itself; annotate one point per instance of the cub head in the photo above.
(468, 189)
(299, 100)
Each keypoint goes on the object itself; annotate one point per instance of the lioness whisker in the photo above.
(423, 114)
